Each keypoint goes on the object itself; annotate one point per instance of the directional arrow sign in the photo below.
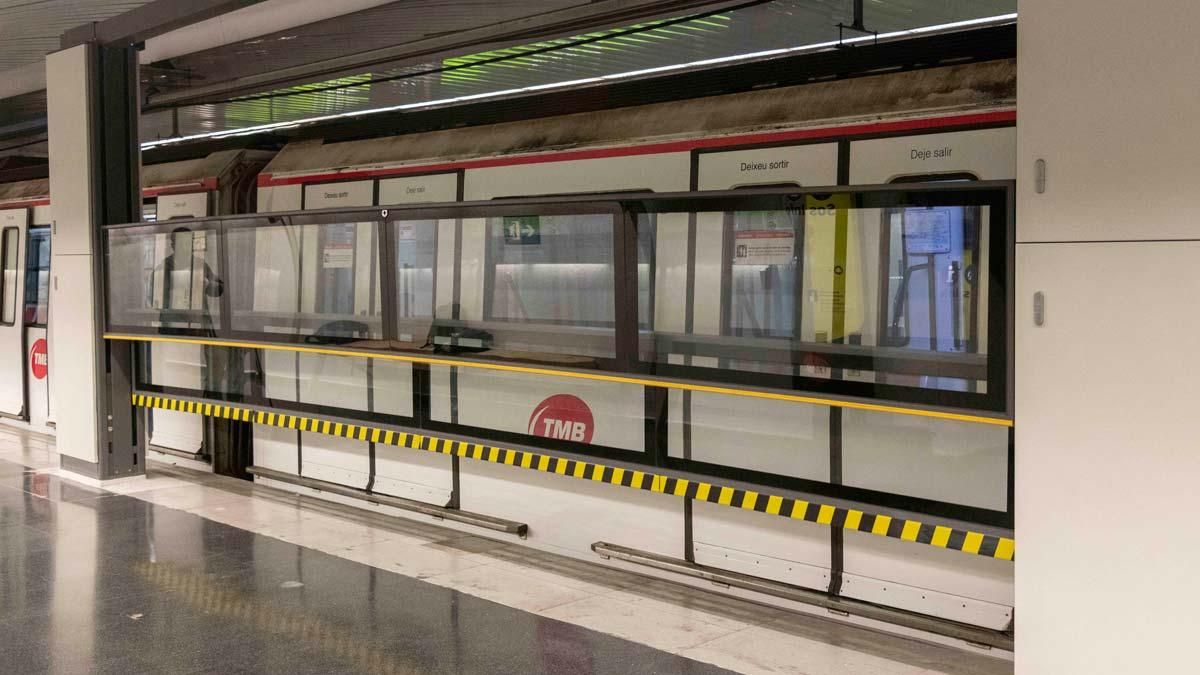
(522, 230)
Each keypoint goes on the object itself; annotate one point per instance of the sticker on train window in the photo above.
(927, 230)
(764, 247)
(338, 256)
(522, 230)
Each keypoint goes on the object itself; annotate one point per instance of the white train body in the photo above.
(219, 183)
(947, 123)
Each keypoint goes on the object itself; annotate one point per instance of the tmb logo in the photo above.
(564, 417)
(39, 359)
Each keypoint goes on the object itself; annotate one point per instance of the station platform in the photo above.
(186, 572)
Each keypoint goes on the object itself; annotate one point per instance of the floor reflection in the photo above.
(92, 582)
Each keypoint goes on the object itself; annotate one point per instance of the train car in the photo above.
(220, 183)
(906, 279)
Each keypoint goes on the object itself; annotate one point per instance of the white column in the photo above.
(1107, 390)
(72, 292)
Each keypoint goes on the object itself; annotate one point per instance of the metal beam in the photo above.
(588, 17)
(149, 20)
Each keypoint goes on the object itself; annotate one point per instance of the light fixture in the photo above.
(274, 126)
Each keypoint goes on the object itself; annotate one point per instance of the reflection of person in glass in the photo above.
(181, 268)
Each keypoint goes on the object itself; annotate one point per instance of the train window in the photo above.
(320, 280)
(8, 284)
(164, 279)
(763, 271)
(551, 269)
(812, 292)
(416, 263)
(37, 277)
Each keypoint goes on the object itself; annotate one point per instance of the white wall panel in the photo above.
(339, 195)
(989, 154)
(442, 187)
(194, 205)
(761, 545)
(567, 516)
(1107, 457)
(811, 165)
(280, 198)
(506, 402)
(74, 362)
(1106, 391)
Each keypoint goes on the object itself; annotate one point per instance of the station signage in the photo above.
(522, 230)
(563, 417)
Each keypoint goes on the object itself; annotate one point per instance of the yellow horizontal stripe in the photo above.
(774, 503)
(621, 379)
(702, 491)
(911, 528)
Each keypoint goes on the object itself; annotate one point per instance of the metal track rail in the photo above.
(837, 605)
(477, 519)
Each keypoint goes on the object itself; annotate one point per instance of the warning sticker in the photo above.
(764, 247)
(927, 230)
(338, 256)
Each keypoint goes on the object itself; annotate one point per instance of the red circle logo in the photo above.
(39, 359)
(563, 417)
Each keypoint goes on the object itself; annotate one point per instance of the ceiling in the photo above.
(658, 44)
(692, 39)
(30, 29)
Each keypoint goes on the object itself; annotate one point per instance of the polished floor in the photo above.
(185, 572)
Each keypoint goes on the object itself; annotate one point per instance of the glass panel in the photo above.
(548, 288)
(942, 460)
(416, 262)
(885, 296)
(164, 280)
(8, 285)
(319, 280)
(37, 278)
(551, 269)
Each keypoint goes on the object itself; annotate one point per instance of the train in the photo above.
(911, 280)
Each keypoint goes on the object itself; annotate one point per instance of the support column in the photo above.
(94, 181)
(1107, 385)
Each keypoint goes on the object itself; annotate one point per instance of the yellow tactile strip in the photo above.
(966, 541)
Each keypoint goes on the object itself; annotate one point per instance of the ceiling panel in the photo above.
(766, 28)
(30, 29)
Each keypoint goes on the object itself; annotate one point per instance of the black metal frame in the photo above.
(626, 209)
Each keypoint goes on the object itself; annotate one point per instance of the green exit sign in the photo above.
(522, 230)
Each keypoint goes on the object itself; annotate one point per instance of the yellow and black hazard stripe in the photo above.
(940, 536)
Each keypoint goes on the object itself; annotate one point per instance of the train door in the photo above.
(36, 318)
(931, 298)
(763, 279)
(13, 224)
(179, 365)
(549, 278)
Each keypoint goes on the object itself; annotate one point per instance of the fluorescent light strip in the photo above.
(275, 126)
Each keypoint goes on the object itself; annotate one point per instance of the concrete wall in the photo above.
(1108, 455)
